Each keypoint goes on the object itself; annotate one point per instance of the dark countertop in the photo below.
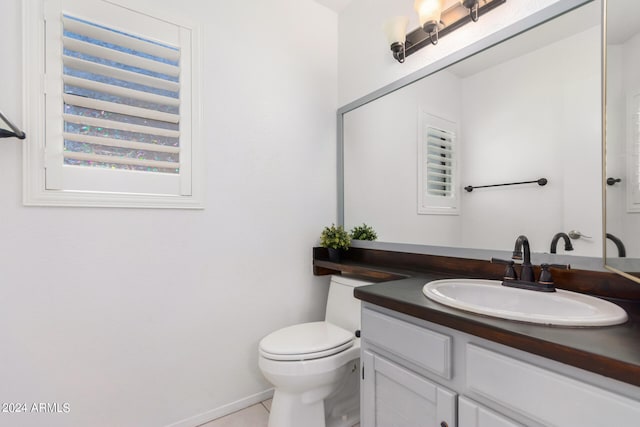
(612, 351)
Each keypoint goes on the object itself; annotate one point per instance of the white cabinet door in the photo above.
(471, 414)
(393, 396)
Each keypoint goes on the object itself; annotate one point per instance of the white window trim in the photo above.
(633, 152)
(34, 191)
(431, 205)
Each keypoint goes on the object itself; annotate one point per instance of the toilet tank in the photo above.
(343, 309)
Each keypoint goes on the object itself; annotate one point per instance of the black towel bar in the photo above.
(540, 182)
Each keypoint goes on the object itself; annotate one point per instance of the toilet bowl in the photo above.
(314, 367)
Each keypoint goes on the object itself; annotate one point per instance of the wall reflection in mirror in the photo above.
(526, 109)
(622, 117)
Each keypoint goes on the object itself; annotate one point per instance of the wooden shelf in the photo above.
(322, 268)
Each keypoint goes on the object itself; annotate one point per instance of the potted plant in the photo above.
(335, 239)
(363, 232)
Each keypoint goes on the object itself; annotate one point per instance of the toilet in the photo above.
(315, 367)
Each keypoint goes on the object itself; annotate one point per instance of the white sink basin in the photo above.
(489, 297)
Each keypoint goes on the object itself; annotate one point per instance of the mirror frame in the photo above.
(604, 149)
(512, 30)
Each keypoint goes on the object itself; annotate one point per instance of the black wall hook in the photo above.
(14, 132)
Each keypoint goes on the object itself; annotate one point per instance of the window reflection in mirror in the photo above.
(623, 136)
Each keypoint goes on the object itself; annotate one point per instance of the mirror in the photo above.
(622, 116)
(527, 108)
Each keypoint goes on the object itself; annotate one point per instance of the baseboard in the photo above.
(213, 414)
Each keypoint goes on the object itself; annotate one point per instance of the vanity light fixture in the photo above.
(396, 28)
(429, 13)
(435, 22)
(473, 6)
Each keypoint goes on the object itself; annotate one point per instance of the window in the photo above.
(437, 166)
(633, 148)
(115, 121)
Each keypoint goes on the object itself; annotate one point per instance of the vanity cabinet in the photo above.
(416, 373)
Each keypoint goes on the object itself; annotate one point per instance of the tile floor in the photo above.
(253, 416)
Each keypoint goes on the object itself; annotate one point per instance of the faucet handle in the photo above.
(510, 272)
(576, 234)
(545, 274)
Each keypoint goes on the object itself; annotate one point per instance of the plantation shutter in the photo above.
(439, 162)
(633, 166)
(117, 99)
(437, 166)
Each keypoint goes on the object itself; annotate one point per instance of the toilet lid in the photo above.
(306, 341)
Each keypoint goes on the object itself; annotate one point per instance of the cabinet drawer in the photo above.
(524, 387)
(427, 349)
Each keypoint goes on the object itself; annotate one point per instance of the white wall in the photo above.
(616, 162)
(535, 116)
(152, 317)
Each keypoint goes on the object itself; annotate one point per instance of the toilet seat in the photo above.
(306, 341)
